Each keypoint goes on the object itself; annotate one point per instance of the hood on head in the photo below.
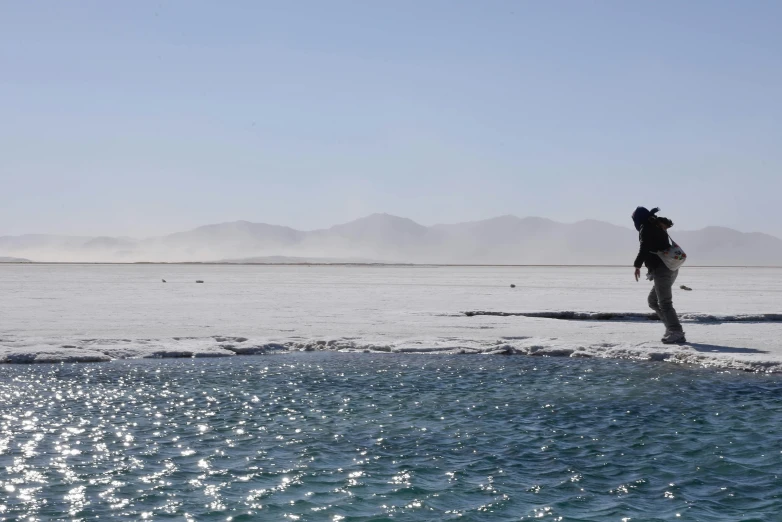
(642, 215)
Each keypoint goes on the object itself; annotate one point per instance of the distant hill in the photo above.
(392, 239)
(14, 260)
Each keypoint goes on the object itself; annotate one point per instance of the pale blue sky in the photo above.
(144, 118)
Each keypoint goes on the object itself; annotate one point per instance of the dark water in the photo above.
(329, 436)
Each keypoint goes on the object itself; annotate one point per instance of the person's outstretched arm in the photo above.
(643, 250)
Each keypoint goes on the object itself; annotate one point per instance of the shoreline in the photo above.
(700, 355)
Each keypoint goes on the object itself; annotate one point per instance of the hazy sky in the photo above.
(144, 118)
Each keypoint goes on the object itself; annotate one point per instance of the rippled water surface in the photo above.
(330, 436)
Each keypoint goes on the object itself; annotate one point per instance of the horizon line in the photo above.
(381, 264)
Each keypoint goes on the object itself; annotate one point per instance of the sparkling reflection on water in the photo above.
(332, 436)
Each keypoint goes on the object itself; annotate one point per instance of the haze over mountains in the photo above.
(392, 239)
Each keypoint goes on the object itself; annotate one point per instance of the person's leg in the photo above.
(654, 305)
(663, 285)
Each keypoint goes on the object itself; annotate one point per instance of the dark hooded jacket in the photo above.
(652, 239)
(651, 236)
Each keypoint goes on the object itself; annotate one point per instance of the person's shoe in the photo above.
(674, 338)
(665, 335)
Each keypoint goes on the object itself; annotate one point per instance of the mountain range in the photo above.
(391, 239)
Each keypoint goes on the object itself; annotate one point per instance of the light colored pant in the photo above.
(661, 298)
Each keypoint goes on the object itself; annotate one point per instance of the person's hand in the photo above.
(637, 273)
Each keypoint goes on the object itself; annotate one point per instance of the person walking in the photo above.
(653, 236)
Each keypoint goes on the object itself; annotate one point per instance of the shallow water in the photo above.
(331, 436)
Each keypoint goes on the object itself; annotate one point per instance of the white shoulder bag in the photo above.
(673, 256)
